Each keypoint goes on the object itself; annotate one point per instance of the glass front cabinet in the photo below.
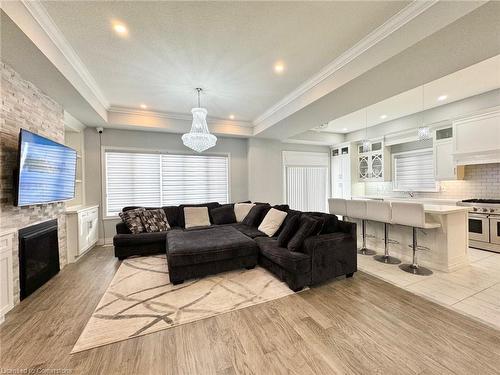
(374, 164)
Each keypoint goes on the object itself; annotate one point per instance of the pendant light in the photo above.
(366, 145)
(423, 131)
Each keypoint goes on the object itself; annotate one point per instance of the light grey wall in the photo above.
(438, 114)
(265, 169)
(237, 148)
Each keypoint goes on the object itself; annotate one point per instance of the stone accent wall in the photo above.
(480, 181)
(25, 106)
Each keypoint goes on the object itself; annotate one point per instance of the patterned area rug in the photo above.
(141, 300)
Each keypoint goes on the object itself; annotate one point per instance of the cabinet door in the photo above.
(443, 161)
(92, 227)
(83, 232)
(377, 167)
(363, 168)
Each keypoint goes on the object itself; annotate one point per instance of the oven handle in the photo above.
(479, 216)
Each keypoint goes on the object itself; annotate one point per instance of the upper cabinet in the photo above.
(444, 165)
(341, 171)
(477, 138)
(374, 165)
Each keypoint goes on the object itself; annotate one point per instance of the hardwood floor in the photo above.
(360, 325)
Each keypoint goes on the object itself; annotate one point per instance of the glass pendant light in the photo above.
(366, 145)
(199, 138)
(423, 131)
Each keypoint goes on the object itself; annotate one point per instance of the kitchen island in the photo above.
(448, 245)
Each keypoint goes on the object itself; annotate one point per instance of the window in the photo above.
(306, 180)
(414, 171)
(155, 180)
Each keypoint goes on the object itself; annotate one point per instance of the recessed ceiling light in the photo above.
(383, 117)
(279, 67)
(231, 117)
(344, 129)
(120, 28)
(144, 106)
(442, 97)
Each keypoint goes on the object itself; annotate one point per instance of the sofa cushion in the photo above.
(290, 214)
(256, 215)
(196, 217)
(272, 221)
(289, 230)
(249, 231)
(154, 220)
(210, 206)
(128, 240)
(210, 245)
(223, 215)
(329, 223)
(289, 260)
(132, 219)
(307, 226)
(241, 210)
(174, 214)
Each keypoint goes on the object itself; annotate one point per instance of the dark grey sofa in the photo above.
(329, 253)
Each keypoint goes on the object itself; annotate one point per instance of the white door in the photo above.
(82, 232)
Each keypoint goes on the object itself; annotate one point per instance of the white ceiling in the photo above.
(474, 80)
(229, 49)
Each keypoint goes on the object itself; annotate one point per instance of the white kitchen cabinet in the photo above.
(341, 172)
(82, 230)
(6, 273)
(374, 165)
(445, 168)
(477, 138)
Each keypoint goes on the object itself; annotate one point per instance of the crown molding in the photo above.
(397, 21)
(175, 116)
(40, 15)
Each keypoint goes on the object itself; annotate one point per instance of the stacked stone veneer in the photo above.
(24, 106)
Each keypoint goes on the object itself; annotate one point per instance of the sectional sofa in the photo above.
(327, 253)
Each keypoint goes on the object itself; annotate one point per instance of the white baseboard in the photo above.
(105, 241)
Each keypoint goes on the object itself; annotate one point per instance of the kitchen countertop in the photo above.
(430, 207)
(446, 201)
(441, 209)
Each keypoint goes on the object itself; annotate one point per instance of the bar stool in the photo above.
(412, 215)
(357, 210)
(337, 206)
(381, 211)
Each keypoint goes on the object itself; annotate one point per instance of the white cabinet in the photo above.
(6, 273)
(445, 167)
(82, 230)
(374, 165)
(477, 138)
(341, 172)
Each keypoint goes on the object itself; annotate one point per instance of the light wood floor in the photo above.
(349, 326)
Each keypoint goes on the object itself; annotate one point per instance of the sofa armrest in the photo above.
(121, 228)
(332, 254)
(347, 227)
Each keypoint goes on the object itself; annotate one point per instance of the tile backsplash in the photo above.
(481, 181)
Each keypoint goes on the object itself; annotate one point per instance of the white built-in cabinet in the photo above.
(6, 273)
(341, 171)
(444, 166)
(374, 165)
(82, 230)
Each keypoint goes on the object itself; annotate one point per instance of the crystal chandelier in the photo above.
(366, 145)
(199, 138)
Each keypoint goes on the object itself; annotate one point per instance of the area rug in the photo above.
(141, 300)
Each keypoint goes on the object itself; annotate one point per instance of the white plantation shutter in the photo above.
(414, 171)
(155, 180)
(194, 179)
(306, 188)
(132, 179)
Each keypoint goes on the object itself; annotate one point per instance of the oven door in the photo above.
(495, 229)
(479, 228)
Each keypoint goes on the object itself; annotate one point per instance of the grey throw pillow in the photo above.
(132, 219)
(307, 227)
(155, 220)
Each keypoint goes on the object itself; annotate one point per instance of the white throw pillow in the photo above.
(241, 210)
(272, 222)
(196, 217)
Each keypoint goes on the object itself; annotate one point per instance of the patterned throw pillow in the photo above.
(155, 220)
(132, 218)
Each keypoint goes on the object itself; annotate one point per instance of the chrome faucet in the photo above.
(411, 194)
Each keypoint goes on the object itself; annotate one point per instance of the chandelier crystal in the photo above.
(199, 138)
(423, 131)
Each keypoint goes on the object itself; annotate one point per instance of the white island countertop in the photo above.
(441, 209)
(435, 206)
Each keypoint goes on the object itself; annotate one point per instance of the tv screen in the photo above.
(46, 170)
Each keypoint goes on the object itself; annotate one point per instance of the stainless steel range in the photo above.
(484, 223)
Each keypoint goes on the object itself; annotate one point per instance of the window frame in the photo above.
(437, 187)
(104, 188)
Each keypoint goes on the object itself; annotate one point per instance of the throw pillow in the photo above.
(223, 215)
(288, 230)
(132, 219)
(155, 220)
(307, 227)
(196, 217)
(272, 222)
(256, 214)
(241, 210)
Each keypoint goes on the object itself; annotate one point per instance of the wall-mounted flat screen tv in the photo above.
(46, 170)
